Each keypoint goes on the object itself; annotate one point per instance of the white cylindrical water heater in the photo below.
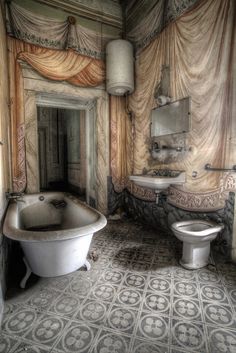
(119, 67)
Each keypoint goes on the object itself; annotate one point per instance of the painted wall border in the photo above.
(210, 201)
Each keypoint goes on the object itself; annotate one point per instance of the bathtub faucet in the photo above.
(14, 195)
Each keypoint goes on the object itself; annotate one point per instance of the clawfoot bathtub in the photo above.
(54, 229)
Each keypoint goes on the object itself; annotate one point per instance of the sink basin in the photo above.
(159, 182)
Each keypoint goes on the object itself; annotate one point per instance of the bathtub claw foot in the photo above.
(27, 275)
(87, 265)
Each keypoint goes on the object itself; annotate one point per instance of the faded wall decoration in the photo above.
(198, 49)
(55, 65)
(146, 19)
(55, 34)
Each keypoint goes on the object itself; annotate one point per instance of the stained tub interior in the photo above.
(58, 212)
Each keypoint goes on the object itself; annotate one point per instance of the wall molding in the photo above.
(92, 10)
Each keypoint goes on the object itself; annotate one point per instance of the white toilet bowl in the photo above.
(196, 236)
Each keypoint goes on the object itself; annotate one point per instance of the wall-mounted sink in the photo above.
(159, 180)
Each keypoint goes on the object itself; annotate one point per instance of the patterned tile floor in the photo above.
(135, 299)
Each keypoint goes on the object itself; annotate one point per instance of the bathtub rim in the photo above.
(11, 231)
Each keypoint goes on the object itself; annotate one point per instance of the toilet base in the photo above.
(195, 255)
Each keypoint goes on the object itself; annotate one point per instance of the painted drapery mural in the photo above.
(53, 64)
(55, 34)
(121, 122)
(199, 49)
(146, 19)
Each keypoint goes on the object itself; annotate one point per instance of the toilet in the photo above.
(196, 236)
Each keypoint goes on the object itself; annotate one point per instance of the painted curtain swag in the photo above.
(58, 50)
(59, 65)
(55, 34)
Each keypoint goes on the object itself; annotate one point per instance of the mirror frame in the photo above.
(187, 120)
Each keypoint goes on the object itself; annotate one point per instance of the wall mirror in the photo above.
(172, 118)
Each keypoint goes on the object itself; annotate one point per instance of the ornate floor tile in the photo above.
(208, 276)
(186, 289)
(185, 275)
(232, 294)
(43, 298)
(221, 341)
(189, 336)
(214, 293)
(165, 251)
(98, 242)
(80, 287)
(104, 292)
(226, 267)
(161, 270)
(46, 330)
(121, 319)
(120, 264)
(157, 303)
(165, 259)
(159, 284)
(142, 267)
(112, 276)
(78, 338)
(144, 254)
(153, 327)
(125, 254)
(10, 308)
(229, 279)
(93, 311)
(187, 309)
(147, 347)
(174, 350)
(66, 305)
(59, 283)
(101, 263)
(129, 297)
(109, 342)
(6, 343)
(149, 240)
(108, 251)
(92, 275)
(30, 348)
(218, 314)
(135, 280)
(20, 322)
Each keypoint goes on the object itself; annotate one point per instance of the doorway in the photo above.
(66, 151)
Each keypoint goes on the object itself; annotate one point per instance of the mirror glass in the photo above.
(172, 118)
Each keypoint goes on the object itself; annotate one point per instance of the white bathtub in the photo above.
(63, 245)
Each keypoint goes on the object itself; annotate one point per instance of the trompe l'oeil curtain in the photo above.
(146, 19)
(53, 64)
(67, 66)
(199, 49)
(55, 34)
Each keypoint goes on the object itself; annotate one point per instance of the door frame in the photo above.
(38, 91)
